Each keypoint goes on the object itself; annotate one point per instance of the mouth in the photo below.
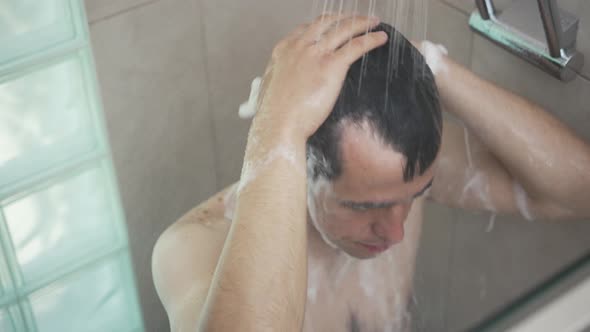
(374, 249)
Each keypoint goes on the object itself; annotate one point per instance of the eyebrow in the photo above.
(381, 205)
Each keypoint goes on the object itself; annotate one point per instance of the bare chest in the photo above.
(357, 298)
(363, 295)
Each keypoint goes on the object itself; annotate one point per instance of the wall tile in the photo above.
(468, 6)
(564, 100)
(432, 276)
(100, 9)
(240, 36)
(154, 90)
(450, 27)
(581, 9)
(465, 6)
(491, 269)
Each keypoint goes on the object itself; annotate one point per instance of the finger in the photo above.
(320, 26)
(360, 46)
(288, 40)
(347, 30)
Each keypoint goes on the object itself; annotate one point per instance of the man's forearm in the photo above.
(544, 156)
(260, 281)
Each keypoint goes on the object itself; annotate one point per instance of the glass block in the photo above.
(10, 319)
(100, 298)
(33, 26)
(64, 224)
(6, 286)
(6, 321)
(46, 118)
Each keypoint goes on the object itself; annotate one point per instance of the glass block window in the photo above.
(64, 256)
(32, 29)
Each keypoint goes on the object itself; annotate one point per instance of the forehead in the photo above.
(372, 170)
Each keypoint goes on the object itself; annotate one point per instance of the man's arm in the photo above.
(260, 280)
(513, 158)
(185, 256)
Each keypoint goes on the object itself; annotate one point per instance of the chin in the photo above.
(358, 254)
(361, 253)
(365, 256)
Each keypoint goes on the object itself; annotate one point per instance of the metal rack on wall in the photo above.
(537, 31)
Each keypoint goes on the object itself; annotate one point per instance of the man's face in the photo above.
(363, 211)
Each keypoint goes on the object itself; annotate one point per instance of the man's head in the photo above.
(376, 151)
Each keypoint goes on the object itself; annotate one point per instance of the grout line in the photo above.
(581, 75)
(123, 11)
(444, 2)
(205, 55)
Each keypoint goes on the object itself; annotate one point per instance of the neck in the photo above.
(317, 246)
(320, 252)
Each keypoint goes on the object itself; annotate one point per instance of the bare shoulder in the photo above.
(184, 260)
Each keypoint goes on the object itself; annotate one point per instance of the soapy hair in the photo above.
(392, 90)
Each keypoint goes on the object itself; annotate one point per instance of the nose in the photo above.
(389, 223)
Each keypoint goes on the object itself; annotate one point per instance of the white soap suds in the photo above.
(314, 189)
(522, 201)
(248, 108)
(251, 169)
(312, 283)
(367, 278)
(434, 55)
(491, 223)
(398, 319)
(343, 269)
(478, 185)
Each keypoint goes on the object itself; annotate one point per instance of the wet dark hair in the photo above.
(393, 90)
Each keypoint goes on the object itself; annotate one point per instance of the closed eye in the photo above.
(355, 206)
(358, 207)
(364, 206)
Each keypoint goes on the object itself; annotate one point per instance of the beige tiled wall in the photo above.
(101, 10)
(467, 6)
(487, 269)
(152, 72)
(239, 37)
(173, 74)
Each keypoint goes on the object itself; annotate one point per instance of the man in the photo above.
(339, 161)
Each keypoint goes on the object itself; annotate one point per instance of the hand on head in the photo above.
(307, 69)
